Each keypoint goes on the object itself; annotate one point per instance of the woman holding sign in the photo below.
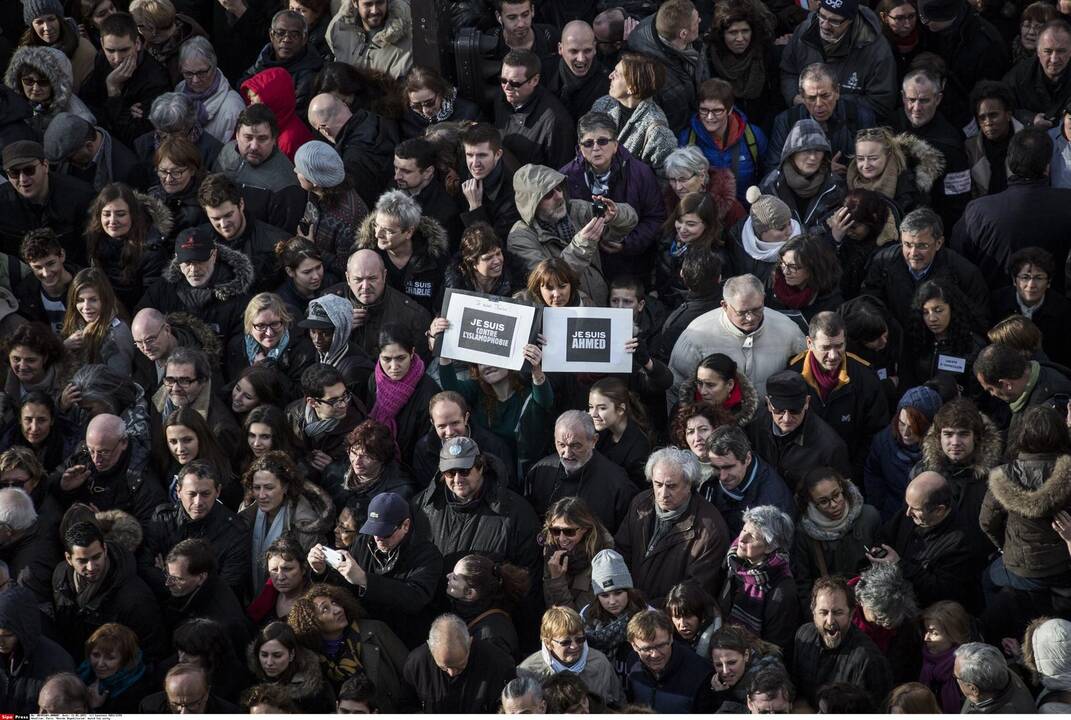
(554, 283)
(399, 391)
(480, 263)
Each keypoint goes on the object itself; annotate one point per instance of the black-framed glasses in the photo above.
(711, 113)
(339, 401)
(418, 105)
(188, 75)
(592, 142)
(16, 172)
(171, 174)
(652, 649)
(33, 81)
(274, 326)
(280, 34)
(835, 497)
(1039, 278)
(185, 382)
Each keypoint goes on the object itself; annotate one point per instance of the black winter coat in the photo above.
(149, 81)
(499, 206)
(604, 486)
(684, 72)
(393, 307)
(413, 418)
(32, 558)
(1034, 93)
(64, 212)
(808, 212)
(222, 529)
(212, 601)
(131, 486)
(682, 687)
(366, 144)
(1051, 387)
(1050, 319)
(541, 133)
(761, 486)
(952, 191)
(36, 657)
(258, 244)
(855, 661)
(629, 453)
(426, 456)
(578, 94)
(475, 690)
(813, 444)
(15, 114)
(394, 479)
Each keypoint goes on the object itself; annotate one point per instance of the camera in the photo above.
(598, 208)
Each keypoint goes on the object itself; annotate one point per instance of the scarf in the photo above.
(884, 184)
(826, 380)
(253, 349)
(882, 636)
(263, 536)
(663, 523)
(737, 493)
(447, 108)
(791, 297)
(315, 426)
(936, 674)
(745, 72)
(116, 684)
(758, 249)
(392, 395)
(1020, 403)
(818, 526)
(749, 602)
(202, 97)
(558, 666)
(342, 657)
(734, 399)
(805, 187)
(608, 637)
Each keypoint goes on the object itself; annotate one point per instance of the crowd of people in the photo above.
(240, 473)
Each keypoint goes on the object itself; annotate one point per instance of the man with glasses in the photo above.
(187, 691)
(760, 340)
(323, 418)
(288, 47)
(89, 153)
(156, 336)
(535, 126)
(987, 683)
(187, 382)
(35, 196)
(664, 674)
(848, 38)
(792, 438)
(604, 169)
(373, 34)
(363, 140)
(105, 472)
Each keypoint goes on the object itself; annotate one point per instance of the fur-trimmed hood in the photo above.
(396, 29)
(429, 239)
(986, 455)
(307, 679)
(922, 158)
(315, 511)
(1053, 495)
(158, 213)
(120, 528)
(749, 398)
(241, 279)
(51, 63)
(192, 332)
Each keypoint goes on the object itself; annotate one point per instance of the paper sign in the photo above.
(583, 339)
(950, 363)
(485, 329)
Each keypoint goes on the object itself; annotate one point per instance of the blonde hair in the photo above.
(560, 621)
(884, 137)
(158, 13)
(261, 302)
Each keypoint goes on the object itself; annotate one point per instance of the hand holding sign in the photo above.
(483, 329)
(534, 355)
(587, 339)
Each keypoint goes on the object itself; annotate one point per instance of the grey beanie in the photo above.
(320, 163)
(609, 572)
(66, 133)
(768, 212)
(33, 9)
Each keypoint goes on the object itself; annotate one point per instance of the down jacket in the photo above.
(646, 133)
(53, 65)
(1017, 513)
(310, 520)
(388, 49)
(422, 277)
(920, 165)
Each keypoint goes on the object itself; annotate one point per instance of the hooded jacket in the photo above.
(422, 277)
(645, 132)
(35, 657)
(275, 88)
(79, 51)
(847, 119)
(531, 240)
(388, 49)
(221, 304)
(303, 69)
(1017, 513)
(306, 686)
(862, 61)
(808, 212)
(920, 166)
(53, 65)
(348, 357)
(1052, 658)
(222, 109)
(685, 72)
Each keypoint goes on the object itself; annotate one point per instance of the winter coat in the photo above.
(1034, 93)
(694, 548)
(305, 684)
(1060, 167)
(475, 690)
(222, 529)
(393, 307)
(331, 442)
(743, 151)
(887, 472)
(604, 486)
(216, 413)
(982, 171)
(422, 277)
(889, 279)
(761, 486)
(531, 240)
(32, 557)
(222, 108)
(1018, 509)
(388, 49)
(1051, 385)
(952, 192)
(629, 453)
(677, 321)
(920, 165)
(780, 609)
(366, 145)
(212, 600)
(632, 182)
(157, 704)
(540, 133)
(498, 206)
(275, 174)
(808, 212)
(578, 94)
(154, 253)
(683, 686)
(758, 355)
(15, 116)
(149, 81)
(685, 72)
(35, 658)
(646, 133)
(598, 674)
(220, 305)
(120, 596)
(130, 485)
(64, 212)
(572, 589)
(310, 519)
(862, 61)
(848, 118)
(1049, 318)
(855, 661)
(338, 482)
(303, 69)
(413, 418)
(186, 211)
(813, 444)
(842, 552)
(413, 124)
(331, 228)
(275, 88)
(741, 261)
(382, 657)
(54, 66)
(425, 460)
(1014, 699)
(1028, 213)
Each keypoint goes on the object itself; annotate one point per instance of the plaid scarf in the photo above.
(749, 600)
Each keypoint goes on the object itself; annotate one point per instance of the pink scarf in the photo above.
(392, 395)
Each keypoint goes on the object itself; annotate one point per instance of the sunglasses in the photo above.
(457, 472)
(564, 532)
(28, 171)
(592, 142)
(514, 83)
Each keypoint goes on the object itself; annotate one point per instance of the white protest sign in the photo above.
(587, 339)
(485, 329)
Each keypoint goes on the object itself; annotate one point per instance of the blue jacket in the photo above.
(886, 473)
(743, 153)
(761, 486)
(683, 688)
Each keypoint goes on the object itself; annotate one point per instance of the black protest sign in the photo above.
(486, 332)
(587, 339)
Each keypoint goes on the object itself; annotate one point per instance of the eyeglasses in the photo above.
(576, 641)
(921, 247)
(833, 22)
(180, 381)
(784, 411)
(790, 268)
(592, 142)
(15, 173)
(13, 483)
(1024, 279)
(196, 74)
(428, 104)
(280, 34)
(386, 232)
(149, 339)
(514, 84)
(103, 453)
(30, 81)
(340, 401)
(273, 327)
(457, 472)
(711, 112)
(898, 19)
(752, 313)
(652, 649)
(171, 174)
(565, 532)
(188, 705)
(824, 502)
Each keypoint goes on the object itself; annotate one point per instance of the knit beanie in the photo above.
(33, 9)
(844, 8)
(320, 163)
(926, 400)
(609, 572)
(768, 212)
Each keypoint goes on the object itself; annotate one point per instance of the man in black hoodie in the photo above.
(27, 658)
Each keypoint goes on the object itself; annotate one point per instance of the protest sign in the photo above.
(485, 329)
(587, 339)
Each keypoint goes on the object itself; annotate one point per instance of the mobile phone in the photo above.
(1059, 403)
(598, 208)
(876, 552)
(333, 557)
(82, 458)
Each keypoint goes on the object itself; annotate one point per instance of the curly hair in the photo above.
(959, 329)
(305, 621)
(890, 598)
(754, 13)
(273, 695)
(716, 416)
(375, 438)
(280, 465)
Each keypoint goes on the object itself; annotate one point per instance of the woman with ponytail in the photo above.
(484, 593)
(621, 423)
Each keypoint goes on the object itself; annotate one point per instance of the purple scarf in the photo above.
(392, 395)
(200, 98)
(937, 676)
(749, 601)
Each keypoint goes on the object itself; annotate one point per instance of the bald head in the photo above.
(928, 499)
(105, 427)
(610, 26)
(106, 441)
(366, 276)
(152, 334)
(327, 115)
(577, 47)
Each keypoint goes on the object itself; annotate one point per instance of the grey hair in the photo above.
(592, 121)
(574, 419)
(817, 71)
(921, 220)
(173, 112)
(290, 15)
(16, 509)
(184, 355)
(741, 285)
(729, 440)
(690, 160)
(401, 205)
(99, 383)
(447, 627)
(884, 591)
(925, 75)
(983, 666)
(682, 459)
(774, 524)
(524, 684)
(198, 47)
